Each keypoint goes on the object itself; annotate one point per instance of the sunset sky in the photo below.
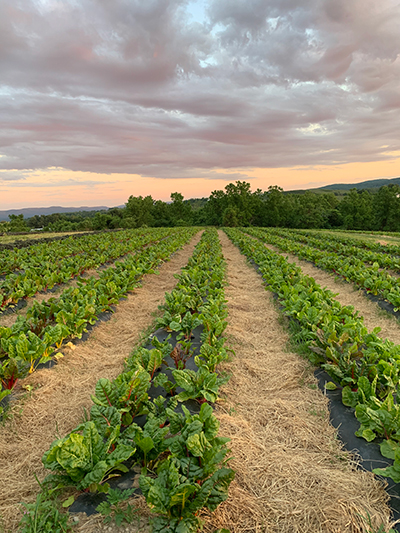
(101, 99)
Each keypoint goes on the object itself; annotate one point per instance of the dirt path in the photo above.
(60, 394)
(292, 476)
(348, 294)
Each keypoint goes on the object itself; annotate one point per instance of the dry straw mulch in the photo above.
(62, 393)
(292, 474)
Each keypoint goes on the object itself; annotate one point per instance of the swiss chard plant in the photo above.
(127, 393)
(85, 459)
(192, 477)
(202, 385)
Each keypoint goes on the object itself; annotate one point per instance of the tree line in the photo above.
(237, 205)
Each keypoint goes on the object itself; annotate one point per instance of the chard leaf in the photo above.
(390, 471)
(330, 386)
(73, 454)
(146, 444)
(197, 444)
(368, 435)
(185, 379)
(68, 502)
(121, 453)
(96, 475)
(349, 397)
(181, 494)
(389, 448)
(105, 393)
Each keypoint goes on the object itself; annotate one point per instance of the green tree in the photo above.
(314, 210)
(387, 208)
(17, 223)
(138, 212)
(215, 207)
(236, 204)
(357, 210)
(180, 211)
(245, 203)
(161, 215)
(275, 207)
(231, 217)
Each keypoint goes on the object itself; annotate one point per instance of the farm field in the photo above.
(8, 239)
(291, 473)
(373, 236)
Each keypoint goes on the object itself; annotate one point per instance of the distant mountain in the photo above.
(341, 189)
(32, 211)
(370, 184)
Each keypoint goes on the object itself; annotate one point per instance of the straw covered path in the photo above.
(60, 394)
(292, 475)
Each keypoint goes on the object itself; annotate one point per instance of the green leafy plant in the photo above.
(379, 419)
(150, 441)
(87, 460)
(194, 476)
(162, 381)
(113, 511)
(43, 516)
(202, 385)
(391, 450)
(149, 360)
(127, 393)
(3, 394)
(180, 356)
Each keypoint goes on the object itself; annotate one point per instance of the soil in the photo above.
(292, 473)
(60, 395)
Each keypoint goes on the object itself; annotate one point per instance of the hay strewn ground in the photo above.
(292, 475)
(61, 393)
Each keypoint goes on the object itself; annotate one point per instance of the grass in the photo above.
(7, 239)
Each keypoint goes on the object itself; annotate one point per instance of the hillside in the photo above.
(340, 189)
(32, 211)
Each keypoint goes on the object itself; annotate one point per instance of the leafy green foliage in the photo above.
(43, 516)
(33, 339)
(113, 511)
(202, 385)
(192, 477)
(86, 460)
(127, 393)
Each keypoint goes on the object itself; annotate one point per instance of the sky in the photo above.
(103, 99)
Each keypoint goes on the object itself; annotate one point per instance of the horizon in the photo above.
(103, 101)
(83, 207)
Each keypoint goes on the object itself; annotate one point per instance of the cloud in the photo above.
(139, 87)
(12, 176)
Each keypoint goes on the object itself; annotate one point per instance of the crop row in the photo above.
(140, 417)
(53, 250)
(46, 269)
(364, 366)
(372, 279)
(393, 249)
(32, 340)
(324, 242)
(35, 253)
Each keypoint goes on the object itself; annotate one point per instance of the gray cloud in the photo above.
(13, 176)
(136, 87)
